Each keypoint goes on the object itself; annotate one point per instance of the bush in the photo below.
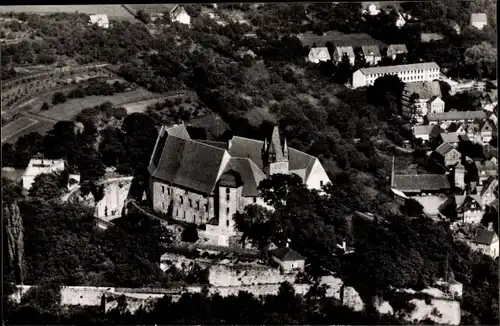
(190, 234)
(45, 106)
(58, 97)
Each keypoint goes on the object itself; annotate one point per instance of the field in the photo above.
(152, 8)
(113, 11)
(140, 106)
(67, 110)
(14, 127)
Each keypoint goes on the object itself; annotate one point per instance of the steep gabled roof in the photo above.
(485, 237)
(250, 174)
(444, 149)
(178, 131)
(449, 137)
(399, 68)
(347, 50)
(456, 115)
(319, 52)
(460, 200)
(370, 50)
(422, 130)
(189, 164)
(397, 48)
(286, 254)
(490, 183)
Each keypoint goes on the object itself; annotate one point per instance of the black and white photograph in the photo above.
(254, 163)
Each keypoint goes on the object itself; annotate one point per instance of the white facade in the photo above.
(99, 20)
(491, 250)
(317, 55)
(179, 15)
(479, 20)
(290, 265)
(40, 166)
(407, 73)
(318, 177)
(435, 106)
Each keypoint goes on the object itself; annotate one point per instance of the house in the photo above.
(178, 14)
(422, 97)
(431, 37)
(486, 241)
(396, 49)
(435, 105)
(486, 169)
(418, 184)
(449, 154)
(493, 117)
(469, 208)
(288, 259)
(411, 73)
(459, 176)
(371, 53)
(206, 182)
(317, 55)
(341, 51)
(40, 166)
(424, 131)
(400, 21)
(450, 138)
(487, 129)
(370, 8)
(478, 20)
(488, 190)
(453, 24)
(453, 116)
(99, 20)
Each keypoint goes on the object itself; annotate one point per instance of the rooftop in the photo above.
(399, 68)
(428, 37)
(449, 137)
(478, 18)
(456, 115)
(398, 48)
(422, 130)
(444, 148)
(421, 182)
(371, 50)
(287, 254)
(425, 90)
(485, 237)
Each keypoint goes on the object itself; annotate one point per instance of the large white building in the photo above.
(411, 73)
(206, 182)
(99, 20)
(40, 166)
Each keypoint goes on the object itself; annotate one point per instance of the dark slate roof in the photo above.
(214, 125)
(449, 137)
(444, 149)
(250, 174)
(268, 247)
(189, 164)
(398, 48)
(251, 148)
(287, 254)
(230, 178)
(421, 182)
(485, 237)
(219, 144)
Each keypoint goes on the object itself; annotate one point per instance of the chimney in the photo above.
(344, 246)
(229, 144)
(490, 226)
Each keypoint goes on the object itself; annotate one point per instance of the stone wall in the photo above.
(242, 275)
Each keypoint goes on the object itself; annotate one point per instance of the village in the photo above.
(198, 188)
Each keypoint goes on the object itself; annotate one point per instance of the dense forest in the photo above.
(316, 114)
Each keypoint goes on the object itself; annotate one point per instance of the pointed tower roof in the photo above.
(275, 144)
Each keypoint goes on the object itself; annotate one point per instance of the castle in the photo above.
(206, 182)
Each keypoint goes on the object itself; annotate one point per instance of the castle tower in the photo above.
(277, 160)
(459, 176)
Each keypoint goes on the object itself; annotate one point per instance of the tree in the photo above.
(344, 71)
(143, 16)
(58, 97)
(47, 186)
(254, 223)
(480, 60)
(413, 112)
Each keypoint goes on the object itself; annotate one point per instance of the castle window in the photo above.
(321, 183)
(206, 207)
(190, 202)
(163, 205)
(227, 190)
(254, 199)
(198, 205)
(227, 223)
(176, 212)
(163, 189)
(227, 210)
(168, 191)
(227, 197)
(182, 200)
